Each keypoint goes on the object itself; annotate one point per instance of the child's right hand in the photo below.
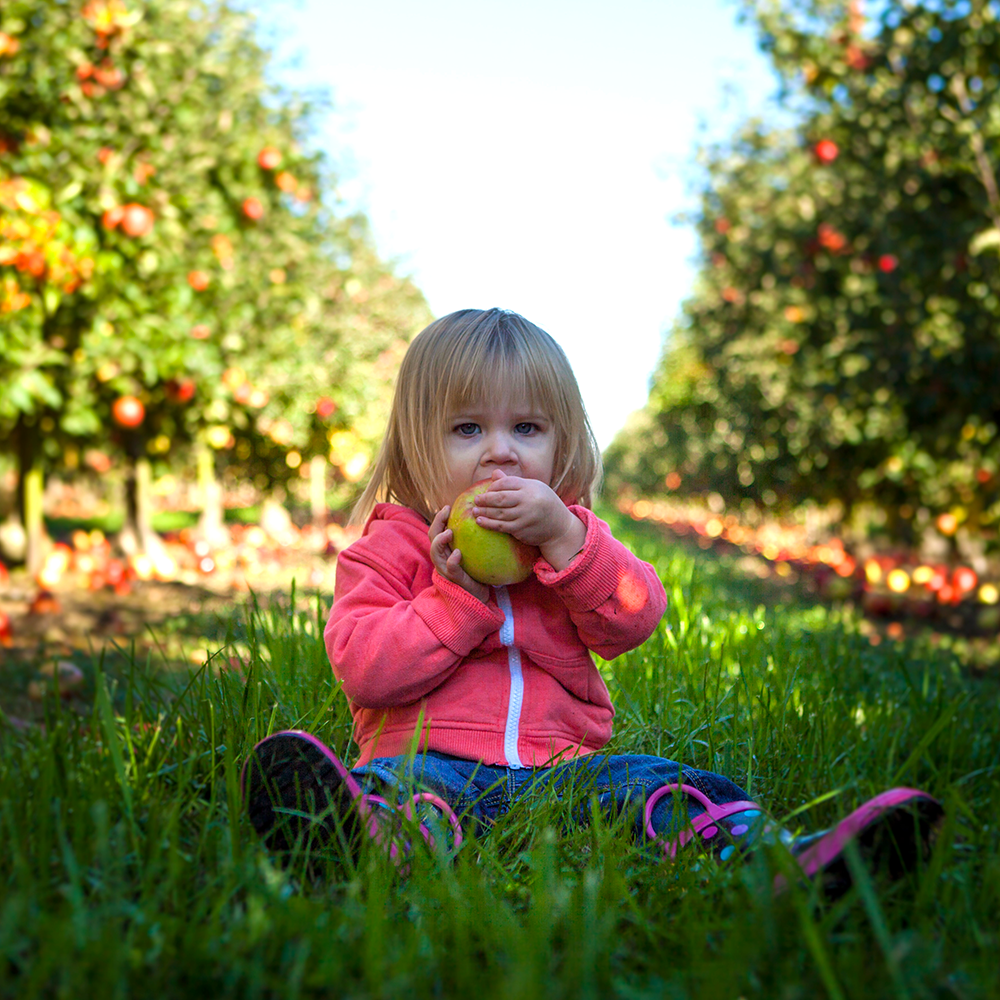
(448, 561)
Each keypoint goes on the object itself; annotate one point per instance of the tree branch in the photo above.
(986, 173)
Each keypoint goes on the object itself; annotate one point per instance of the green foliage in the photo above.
(220, 263)
(129, 868)
(842, 340)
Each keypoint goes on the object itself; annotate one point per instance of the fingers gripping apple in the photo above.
(491, 557)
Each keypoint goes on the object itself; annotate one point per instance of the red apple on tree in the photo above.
(113, 217)
(826, 151)
(887, 263)
(142, 171)
(199, 280)
(946, 523)
(253, 209)
(829, 238)
(201, 331)
(855, 57)
(98, 461)
(128, 412)
(269, 158)
(964, 580)
(325, 407)
(491, 557)
(181, 390)
(137, 220)
(108, 75)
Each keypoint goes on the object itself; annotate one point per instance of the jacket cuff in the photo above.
(593, 574)
(458, 620)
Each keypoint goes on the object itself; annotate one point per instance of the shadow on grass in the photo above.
(170, 628)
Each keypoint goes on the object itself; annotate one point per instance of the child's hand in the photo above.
(532, 512)
(448, 561)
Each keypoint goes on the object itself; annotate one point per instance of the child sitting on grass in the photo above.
(479, 696)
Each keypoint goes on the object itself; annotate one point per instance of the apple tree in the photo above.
(841, 343)
(189, 259)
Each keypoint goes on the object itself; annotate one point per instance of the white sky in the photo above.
(531, 154)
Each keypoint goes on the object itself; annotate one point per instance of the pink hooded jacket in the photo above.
(508, 682)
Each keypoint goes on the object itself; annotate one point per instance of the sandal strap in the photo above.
(704, 823)
(443, 807)
(376, 829)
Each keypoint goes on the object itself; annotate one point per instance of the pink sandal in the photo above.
(295, 788)
(734, 818)
(896, 828)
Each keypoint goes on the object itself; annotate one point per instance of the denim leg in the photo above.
(622, 783)
(475, 791)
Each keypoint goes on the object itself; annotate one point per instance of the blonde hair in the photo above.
(457, 361)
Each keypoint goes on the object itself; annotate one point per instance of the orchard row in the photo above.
(886, 586)
(840, 343)
(175, 285)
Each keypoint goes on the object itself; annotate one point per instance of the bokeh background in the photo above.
(765, 232)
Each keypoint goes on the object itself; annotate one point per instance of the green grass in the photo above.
(163, 521)
(127, 869)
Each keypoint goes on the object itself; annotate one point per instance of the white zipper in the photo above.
(516, 680)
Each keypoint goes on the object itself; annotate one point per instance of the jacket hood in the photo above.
(395, 512)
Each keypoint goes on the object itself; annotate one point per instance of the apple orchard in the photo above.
(840, 347)
(177, 296)
(835, 366)
(181, 302)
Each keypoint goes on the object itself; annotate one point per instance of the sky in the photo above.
(532, 154)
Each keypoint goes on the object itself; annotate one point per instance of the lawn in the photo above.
(127, 868)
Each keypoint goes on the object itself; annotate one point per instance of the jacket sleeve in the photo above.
(390, 646)
(615, 599)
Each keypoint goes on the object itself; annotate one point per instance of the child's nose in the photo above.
(500, 448)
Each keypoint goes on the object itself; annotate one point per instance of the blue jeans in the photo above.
(479, 793)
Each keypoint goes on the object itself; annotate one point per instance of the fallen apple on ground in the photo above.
(64, 677)
(491, 557)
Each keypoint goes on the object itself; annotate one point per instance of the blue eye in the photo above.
(467, 429)
(525, 428)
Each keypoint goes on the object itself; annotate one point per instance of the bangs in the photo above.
(499, 368)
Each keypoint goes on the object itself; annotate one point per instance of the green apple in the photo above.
(491, 557)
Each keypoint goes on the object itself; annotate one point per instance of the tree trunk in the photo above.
(317, 490)
(137, 501)
(137, 536)
(30, 488)
(211, 524)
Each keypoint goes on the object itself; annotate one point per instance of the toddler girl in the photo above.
(468, 698)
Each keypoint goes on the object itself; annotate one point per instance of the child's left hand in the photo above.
(532, 512)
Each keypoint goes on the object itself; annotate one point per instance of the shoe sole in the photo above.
(298, 793)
